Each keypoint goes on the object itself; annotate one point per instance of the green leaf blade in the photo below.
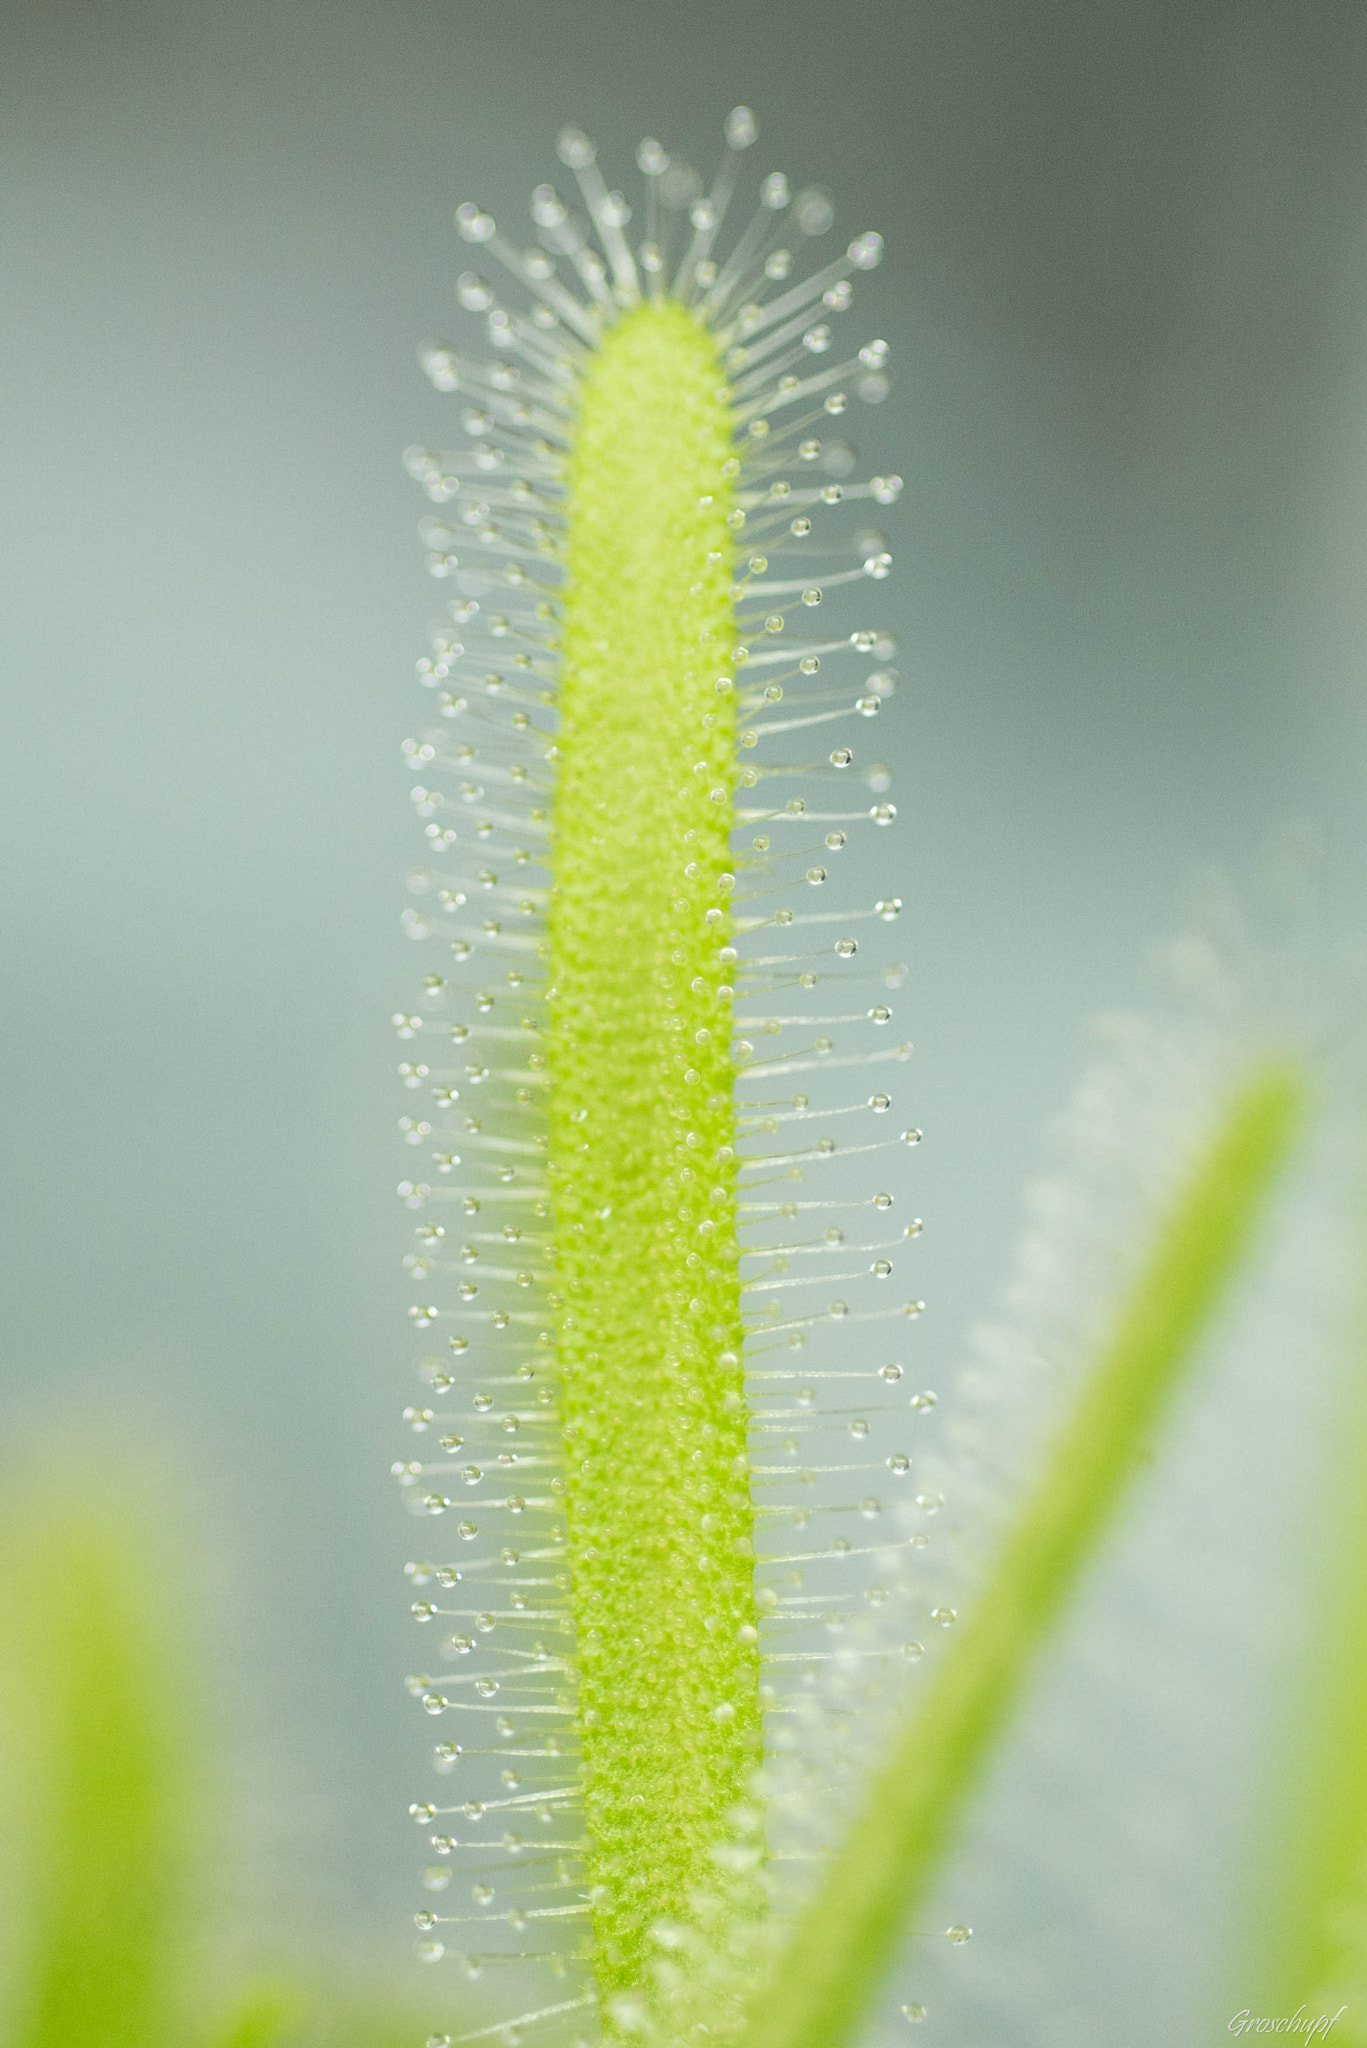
(262, 2015)
(93, 1682)
(642, 1128)
(852, 1927)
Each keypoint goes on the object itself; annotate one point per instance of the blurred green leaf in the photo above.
(262, 2015)
(89, 1678)
(835, 1960)
(104, 1806)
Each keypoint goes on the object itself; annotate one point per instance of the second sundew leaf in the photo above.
(642, 1129)
(831, 1966)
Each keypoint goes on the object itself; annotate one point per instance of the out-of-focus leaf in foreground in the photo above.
(98, 1755)
(262, 2015)
(106, 1803)
(843, 1942)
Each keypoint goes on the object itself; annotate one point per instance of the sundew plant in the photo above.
(681, 1559)
(648, 499)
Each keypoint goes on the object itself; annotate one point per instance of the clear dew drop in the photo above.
(959, 1933)
(574, 148)
(741, 128)
(913, 2012)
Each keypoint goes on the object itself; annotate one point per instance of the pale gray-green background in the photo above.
(1125, 292)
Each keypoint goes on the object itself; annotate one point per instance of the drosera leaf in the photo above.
(102, 1804)
(89, 1682)
(1311, 1947)
(660, 1537)
(651, 433)
(831, 1967)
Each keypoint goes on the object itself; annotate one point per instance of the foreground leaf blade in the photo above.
(263, 2014)
(89, 1682)
(848, 1934)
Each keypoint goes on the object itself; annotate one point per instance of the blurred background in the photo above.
(1126, 293)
